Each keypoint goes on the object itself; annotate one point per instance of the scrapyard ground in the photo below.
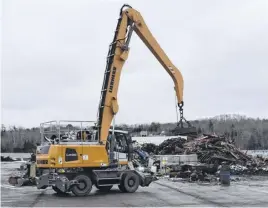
(163, 192)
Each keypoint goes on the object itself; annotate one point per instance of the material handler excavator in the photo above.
(100, 155)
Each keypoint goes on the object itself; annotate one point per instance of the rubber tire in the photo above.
(104, 188)
(88, 183)
(121, 185)
(122, 188)
(131, 188)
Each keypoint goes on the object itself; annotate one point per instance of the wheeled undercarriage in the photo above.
(80, 183)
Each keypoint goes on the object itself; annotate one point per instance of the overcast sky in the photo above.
(54, 57)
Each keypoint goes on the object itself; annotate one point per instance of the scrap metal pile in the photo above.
(212, 150)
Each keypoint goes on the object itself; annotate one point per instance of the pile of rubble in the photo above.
(216, 149)
(212, 150)
(171, 146)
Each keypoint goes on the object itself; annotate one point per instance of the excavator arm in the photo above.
(130, 20)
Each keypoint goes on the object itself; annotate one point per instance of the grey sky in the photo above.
(54, 56)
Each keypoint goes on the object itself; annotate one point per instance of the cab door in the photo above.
(122, 148)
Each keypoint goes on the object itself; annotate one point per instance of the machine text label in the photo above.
(112, 80)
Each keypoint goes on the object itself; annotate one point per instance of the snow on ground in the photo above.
(154, 139)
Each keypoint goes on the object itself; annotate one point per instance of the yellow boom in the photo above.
(130, 20)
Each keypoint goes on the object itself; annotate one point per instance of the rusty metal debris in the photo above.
(212, 151)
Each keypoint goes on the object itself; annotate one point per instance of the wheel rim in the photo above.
(82, 185)
(131, 182)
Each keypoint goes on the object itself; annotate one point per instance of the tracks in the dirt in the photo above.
(12, 196)
(36, 200)
(206, 200)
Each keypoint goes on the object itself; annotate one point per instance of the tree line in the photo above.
(247, 133)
